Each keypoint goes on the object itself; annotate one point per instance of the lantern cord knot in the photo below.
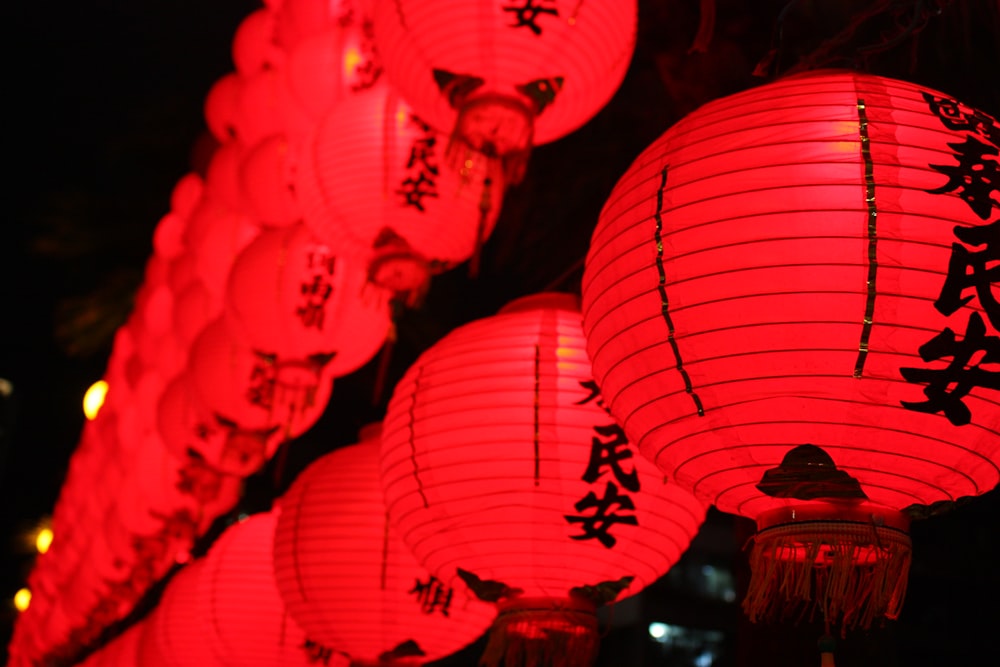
(543, 632)
(849, 571)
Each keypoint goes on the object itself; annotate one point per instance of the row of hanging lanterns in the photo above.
(788, 303)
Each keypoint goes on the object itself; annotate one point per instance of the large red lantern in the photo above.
(790, 307)
(501, 467)
(503, 76)
(372, 176)
(293, 295)
(347, 578)
(245, 619)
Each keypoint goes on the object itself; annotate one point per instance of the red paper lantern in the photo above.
(350, 582)
(188, 425)
(253, 390)
(788, 305)
(266, 182)
(500, 465)
(373, 176)
(503, 76)
(244, 616)
(175, 634)
(254, 46)
(222, 107)
(215, 235)
(291, 295)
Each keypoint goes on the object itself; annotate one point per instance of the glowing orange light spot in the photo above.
(43, 540)
(22, 599)
(94, 399)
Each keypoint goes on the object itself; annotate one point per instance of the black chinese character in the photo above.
(314, 311)
(431, 595)
(597, 525)
(321, 261)
(968, 269)
(414, 190)
(595, 393)
(317, 653)
(955, 116)
(611, 453)
(948, 386)
(422, 154)
(526, 13)
(260, 391)
(975, 176)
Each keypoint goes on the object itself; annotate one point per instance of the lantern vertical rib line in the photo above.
(413, 446)
(866, 154)
(664, 302)
(536, 411)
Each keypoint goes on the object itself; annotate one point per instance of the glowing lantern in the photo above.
(252, 390)
(246, 621)
(254, 47)
(506, 75)
(500, 466)
(292, 295)
(222, 107)
(331, 57)
(350, 582)
(373, 176)
(215, 235)
(175, 633)
(188, 425)
(266, 182)
(771, 300)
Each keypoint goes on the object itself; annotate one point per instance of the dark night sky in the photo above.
(106, 101)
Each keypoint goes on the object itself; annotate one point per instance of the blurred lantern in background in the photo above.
(503, 76)
(245, 618)
(175, 634)
(789, 303)
(372, 177)
(255, 390)
(347, 578)
(501, 468)
(296, 297)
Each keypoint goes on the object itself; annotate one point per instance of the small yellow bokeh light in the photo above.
(94, 399)
(43, 540)
(22, 599)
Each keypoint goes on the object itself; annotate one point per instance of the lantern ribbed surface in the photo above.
(246, 621)
(787, 299)
(175, 634)
(498, 459)
(346, 577)
(373, 171)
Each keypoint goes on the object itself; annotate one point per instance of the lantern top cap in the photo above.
(543, 300)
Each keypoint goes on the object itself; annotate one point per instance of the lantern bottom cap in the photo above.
(846, 565)
(535, 631)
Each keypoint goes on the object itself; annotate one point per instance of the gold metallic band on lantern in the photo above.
(866, 154)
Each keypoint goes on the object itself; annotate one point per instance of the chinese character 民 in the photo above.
(970, 269)
(313, 312)
(610, 454)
